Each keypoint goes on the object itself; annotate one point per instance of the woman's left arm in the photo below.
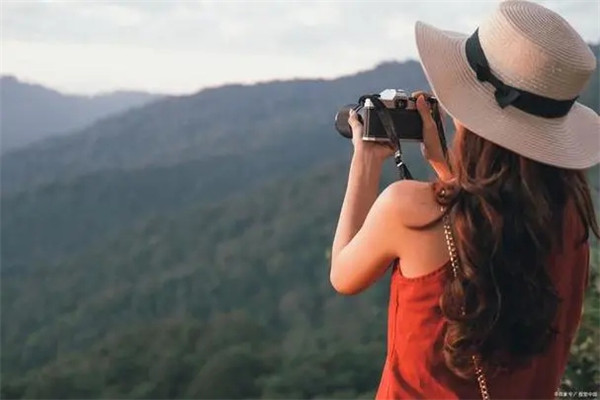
(363, 247)
(367, 235)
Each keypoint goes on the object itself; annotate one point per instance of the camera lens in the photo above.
(341, 120)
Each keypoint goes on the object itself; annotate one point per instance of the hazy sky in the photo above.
(182, 46)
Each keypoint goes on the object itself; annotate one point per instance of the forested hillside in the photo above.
(258, 260)
(180, 250)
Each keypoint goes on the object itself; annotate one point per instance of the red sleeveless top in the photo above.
(414, 367)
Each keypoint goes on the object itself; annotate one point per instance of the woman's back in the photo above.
(415, 367)
(511, 202)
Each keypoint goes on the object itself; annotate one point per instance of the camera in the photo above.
(401, 108)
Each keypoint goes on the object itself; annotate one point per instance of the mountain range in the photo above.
(32, 112)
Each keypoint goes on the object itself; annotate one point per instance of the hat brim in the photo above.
(572, 141)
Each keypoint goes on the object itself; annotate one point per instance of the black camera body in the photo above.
(401, 108)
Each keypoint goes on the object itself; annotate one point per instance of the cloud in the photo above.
(180, 46)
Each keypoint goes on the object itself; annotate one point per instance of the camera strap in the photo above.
(390, 130)
(437, 118)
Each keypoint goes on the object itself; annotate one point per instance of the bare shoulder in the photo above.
(412, 201)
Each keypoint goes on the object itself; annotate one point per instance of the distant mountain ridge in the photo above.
(227, 120)
(31, 112)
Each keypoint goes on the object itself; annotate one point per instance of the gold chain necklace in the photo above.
(485, 395)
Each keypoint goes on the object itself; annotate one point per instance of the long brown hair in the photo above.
(507, 216)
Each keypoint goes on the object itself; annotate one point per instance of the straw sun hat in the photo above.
(514, 82)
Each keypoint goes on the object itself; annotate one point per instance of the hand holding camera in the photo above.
(379, 150)
(379, 122)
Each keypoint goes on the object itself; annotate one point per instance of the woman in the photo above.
(512, 207)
